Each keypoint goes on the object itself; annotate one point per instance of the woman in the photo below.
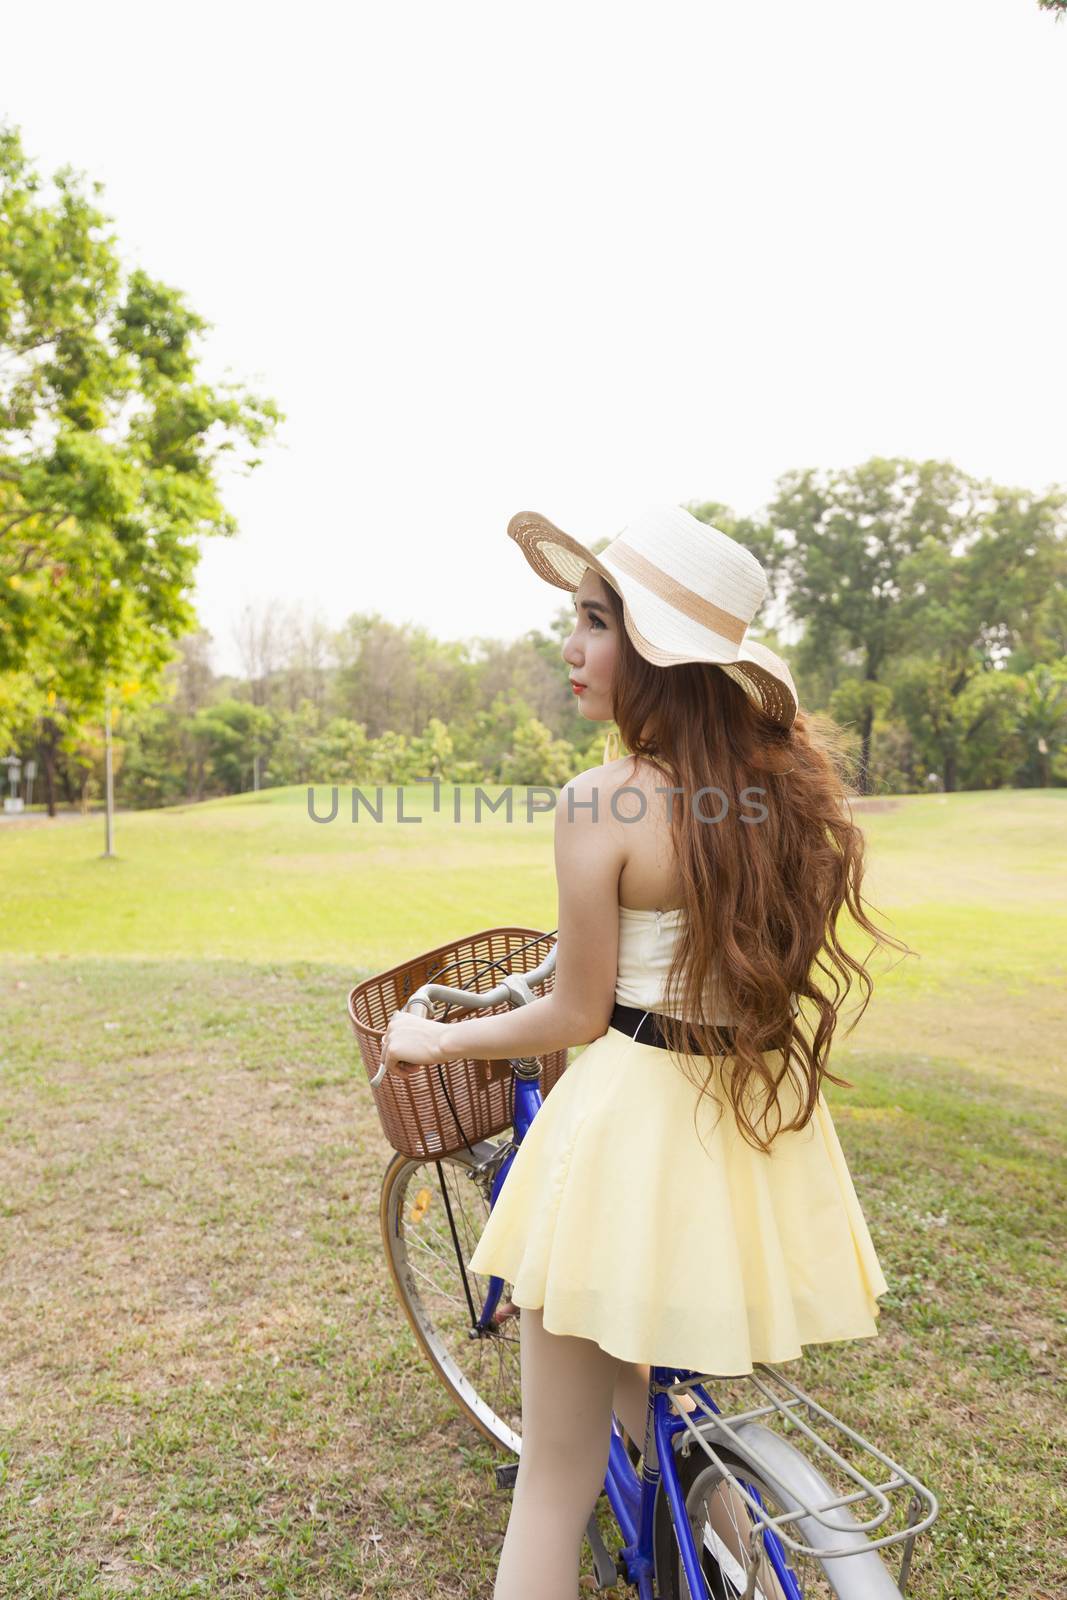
(681, 1198)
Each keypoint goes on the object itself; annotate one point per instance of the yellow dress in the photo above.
(668, 1245)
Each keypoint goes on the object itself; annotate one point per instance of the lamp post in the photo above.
(13, 801)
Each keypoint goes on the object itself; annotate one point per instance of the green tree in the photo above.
(965, 613)
(535, 757)
(395, 677)
(1043, 718)
(841, 538)
(434, 749)
(230, 734)
(158, 760)
(391, 760)
(293, 743)
(340, 752)
(481, 745)
(110, 448)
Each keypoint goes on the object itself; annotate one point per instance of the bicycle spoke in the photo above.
(454, 1299)
(722, 1524)
(422, 1243)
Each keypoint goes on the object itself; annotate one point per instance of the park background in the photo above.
(849, 357)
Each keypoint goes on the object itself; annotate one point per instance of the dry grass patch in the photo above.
(207, 1385)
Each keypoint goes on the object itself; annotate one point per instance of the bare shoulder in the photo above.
(583, 782)
(604, 780)
(593, 793)
(581, 797)
(637, 772)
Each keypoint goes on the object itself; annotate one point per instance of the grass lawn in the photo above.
(207, 1385)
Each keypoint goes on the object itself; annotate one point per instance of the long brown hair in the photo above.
(762, 895)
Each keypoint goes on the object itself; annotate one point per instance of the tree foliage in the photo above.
(897, 561)
(111, 446)
(927, 609)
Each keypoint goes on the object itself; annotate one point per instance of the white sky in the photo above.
(572, 258)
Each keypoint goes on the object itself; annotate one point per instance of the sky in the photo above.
(574, 258)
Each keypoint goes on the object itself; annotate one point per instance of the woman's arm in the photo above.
(589, 858)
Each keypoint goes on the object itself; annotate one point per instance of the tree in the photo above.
(536, 758)
(841, 539)
(230, 735)
(391, 760)
(340, 753)
(1043, 717)
(307, 652)
(965, 613)
(482, 744)
(191, 672)
(160, 760)
(110, 447)
(293, 744)
(967, 731)
(532, 669)
(433, 748)
(376, 680)
(259, 646)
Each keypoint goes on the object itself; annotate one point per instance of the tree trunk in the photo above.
(864, 775)
(949, 774)
(48, 741)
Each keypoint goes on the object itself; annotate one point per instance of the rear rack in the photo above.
(786, 1409)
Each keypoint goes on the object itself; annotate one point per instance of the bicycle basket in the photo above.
(413, 1101)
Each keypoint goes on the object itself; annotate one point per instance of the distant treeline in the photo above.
(925, 609)
(943, 653)
(927, 614)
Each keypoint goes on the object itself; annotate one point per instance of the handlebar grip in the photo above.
(515, 988)
(418, 1000)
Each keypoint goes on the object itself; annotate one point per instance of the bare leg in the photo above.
(567, 1389)
(630, 1403)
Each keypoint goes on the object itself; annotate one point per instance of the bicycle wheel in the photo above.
(422, 1201)
(721, 1523)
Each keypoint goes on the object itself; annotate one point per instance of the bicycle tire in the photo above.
(414, 1218)
(699, 1478)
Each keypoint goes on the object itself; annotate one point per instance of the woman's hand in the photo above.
(419, 1040)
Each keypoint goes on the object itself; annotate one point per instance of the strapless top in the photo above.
(647, 941)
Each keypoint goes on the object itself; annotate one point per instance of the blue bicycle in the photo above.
(739, 1496)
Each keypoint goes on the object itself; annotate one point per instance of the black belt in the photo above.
(644, 1027)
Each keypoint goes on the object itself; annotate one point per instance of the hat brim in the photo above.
(562, 560)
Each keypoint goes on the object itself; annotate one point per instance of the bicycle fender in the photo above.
(854, 1576)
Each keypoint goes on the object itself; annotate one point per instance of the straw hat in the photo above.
(688, 593)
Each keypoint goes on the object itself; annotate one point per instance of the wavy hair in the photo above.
(762, 895)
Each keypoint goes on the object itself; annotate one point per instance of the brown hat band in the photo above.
(693, 605)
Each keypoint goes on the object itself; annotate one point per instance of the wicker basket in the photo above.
(413, 1100)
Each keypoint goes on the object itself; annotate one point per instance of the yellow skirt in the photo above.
(676, 1242)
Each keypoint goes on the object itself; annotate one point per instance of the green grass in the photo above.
(252, 878)
(207, 1385)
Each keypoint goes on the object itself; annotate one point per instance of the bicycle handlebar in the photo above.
(515, 989)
